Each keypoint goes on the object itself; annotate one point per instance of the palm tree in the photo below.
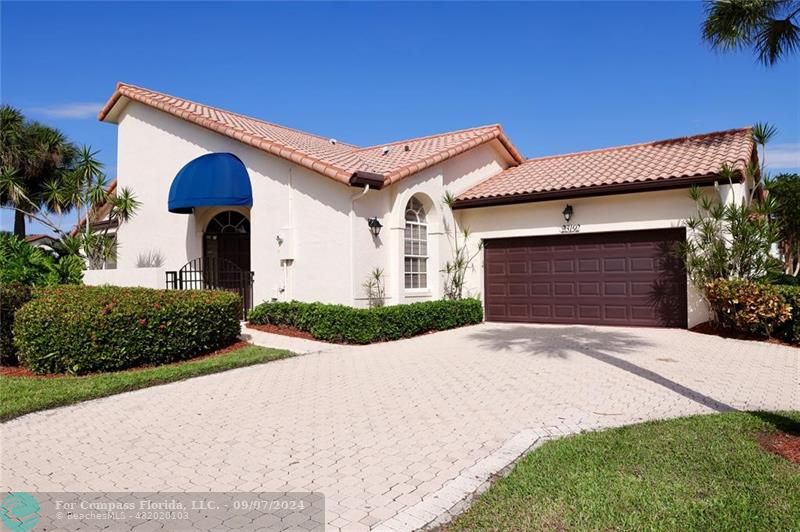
(35, 161)
(769, 26)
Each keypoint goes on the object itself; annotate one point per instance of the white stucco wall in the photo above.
(624, 212)
(152, 148)
(146, 277)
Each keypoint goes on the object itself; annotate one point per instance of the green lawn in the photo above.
(22, 395)
(698, 473)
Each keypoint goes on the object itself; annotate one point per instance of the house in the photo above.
(41, 241)
(578, 238)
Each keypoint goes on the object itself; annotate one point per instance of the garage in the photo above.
(631, 278)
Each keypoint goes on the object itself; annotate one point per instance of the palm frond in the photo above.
(776, 39)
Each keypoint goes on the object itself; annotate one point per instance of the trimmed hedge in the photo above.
(343, 324)
(12, 297)
(790, 329)
(83, 329)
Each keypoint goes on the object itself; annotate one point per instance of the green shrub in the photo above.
(747, 306)
(790, 329)
(339, 323)
(12, 297)
(83, 329)
(23, 263)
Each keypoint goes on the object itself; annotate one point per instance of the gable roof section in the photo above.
(340, 161)
(661, 164)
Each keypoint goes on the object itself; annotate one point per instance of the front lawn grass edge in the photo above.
(24, 395)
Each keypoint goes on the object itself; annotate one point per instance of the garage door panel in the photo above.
(629, 278)
(615, 265)
(615, 312)
(540, 266)
(615, 288)
(540, 289)
(590, 311)
(564, 311)
(518, 289)
(642, 264)
(589, 265)
(588, 289)
(563, 289)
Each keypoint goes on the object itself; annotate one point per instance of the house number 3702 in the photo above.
(571, 228)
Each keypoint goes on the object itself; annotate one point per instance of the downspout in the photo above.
(353, 199)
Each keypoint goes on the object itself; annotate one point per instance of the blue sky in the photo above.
(560, 77)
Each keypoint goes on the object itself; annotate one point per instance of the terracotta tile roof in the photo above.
(338, 161)
(686, 157)
(30, 239)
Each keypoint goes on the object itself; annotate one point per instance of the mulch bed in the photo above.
(782, 444)
(709, 328)
(21, 371)
(284, 330)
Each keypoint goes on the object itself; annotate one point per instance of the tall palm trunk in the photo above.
(19, 224)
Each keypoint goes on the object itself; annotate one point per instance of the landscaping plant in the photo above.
(12, 297)
(455, 270)
(85, 329)
(789, 330)
(747, 306)
(25, 264)
(734, 240)
(340, 323)
(374, 288)
(785, 188)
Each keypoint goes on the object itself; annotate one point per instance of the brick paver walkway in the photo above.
(393, 434)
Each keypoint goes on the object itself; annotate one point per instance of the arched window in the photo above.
(228, 222)
(416, 245)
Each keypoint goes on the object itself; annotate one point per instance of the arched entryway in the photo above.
(204, 185)
(227, 239)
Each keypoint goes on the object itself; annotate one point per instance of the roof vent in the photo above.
(385, 150)
(407, 148)
(332, 141)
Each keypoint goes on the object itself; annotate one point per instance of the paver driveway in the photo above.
(393, 434)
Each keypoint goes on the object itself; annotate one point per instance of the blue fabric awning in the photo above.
(211, 180)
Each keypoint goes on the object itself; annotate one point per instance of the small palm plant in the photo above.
(455, 270)
(374, 288)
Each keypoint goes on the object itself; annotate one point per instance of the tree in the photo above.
(42, 173)
(767, 26)
(35, 161)
(785, 189)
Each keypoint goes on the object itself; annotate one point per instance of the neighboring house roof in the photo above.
(661, 164)
(97, 216)
(39, 239)
(339, 161)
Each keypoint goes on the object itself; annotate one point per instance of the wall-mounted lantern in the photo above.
(374, 226)
(567, 212)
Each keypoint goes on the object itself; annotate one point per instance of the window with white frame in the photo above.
(416, 246)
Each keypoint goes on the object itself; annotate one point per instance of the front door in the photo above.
(226, 253)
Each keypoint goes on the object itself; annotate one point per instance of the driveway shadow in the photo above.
(597, 343)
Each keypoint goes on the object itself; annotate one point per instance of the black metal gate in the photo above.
(210, 273)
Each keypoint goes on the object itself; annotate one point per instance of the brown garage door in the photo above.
(628, 278)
